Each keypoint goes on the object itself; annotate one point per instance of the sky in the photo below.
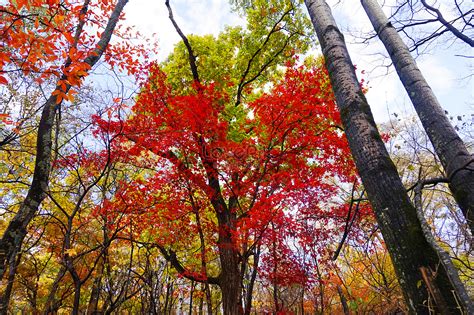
(445, 72)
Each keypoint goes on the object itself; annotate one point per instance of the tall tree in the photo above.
(226, 160)
(81, 53)
(211, 192)
(451, 150)
(230, 162)
(394, 211)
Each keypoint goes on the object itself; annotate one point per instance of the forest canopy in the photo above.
(244, 173)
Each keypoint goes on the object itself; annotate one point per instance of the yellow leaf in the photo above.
(70, 252)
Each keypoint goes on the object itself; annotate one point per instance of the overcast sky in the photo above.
(442, 69)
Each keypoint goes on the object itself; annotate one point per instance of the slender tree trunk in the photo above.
(321, 285)
(92, 308)
(345, 307)
(50, 301)
(203, 257)
(77, 296)
(394, 211)
(191, 298)
(302, 300)
(17, 228)
(275, 298)
(201, 301)
(207, 290)
(253, 277)
(451, 150)
(6, 294)
(167, 298)
(275, 285)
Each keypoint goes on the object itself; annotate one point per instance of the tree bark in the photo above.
(17, 228)
(6, 294)
(77, 296)
(451, 150)
(191, 298)
(92, 308)
(394, 211)
(229, 278)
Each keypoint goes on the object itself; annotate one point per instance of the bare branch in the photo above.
(192, 57)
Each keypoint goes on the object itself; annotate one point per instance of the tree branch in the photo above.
(243, 82)
(448, 25)
(192, 57)
(348, 226)
(171, 257)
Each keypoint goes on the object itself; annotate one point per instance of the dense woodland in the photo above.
(244, 174)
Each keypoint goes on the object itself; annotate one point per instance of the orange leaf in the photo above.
(72, 53)
(59, 98)
(21, 3)
(69, 37)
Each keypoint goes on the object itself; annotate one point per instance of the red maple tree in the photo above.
(216, 187)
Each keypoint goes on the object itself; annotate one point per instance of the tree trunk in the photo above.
(345, 307)
(394, 211)
(451, 150)
(17, 228)
(6, 294)
(167, 299)
(191, 298)
(50, 304)
(95, 294)
(201, 303)
(321, 285)
(203, 258)
(229, 280)
(77, 296)
(253, 277)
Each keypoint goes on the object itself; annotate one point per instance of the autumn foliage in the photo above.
(233, 190)
(56, 39)
(269, 172)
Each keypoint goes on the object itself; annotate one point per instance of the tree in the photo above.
(225, 160)
(394, 211)
(367, 277)
(78, 255)
(225, 183)
(79, 53)
(449, 147)
(238, 187)
(231, 162)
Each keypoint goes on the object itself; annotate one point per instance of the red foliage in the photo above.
(275, 172)
(52, 39)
